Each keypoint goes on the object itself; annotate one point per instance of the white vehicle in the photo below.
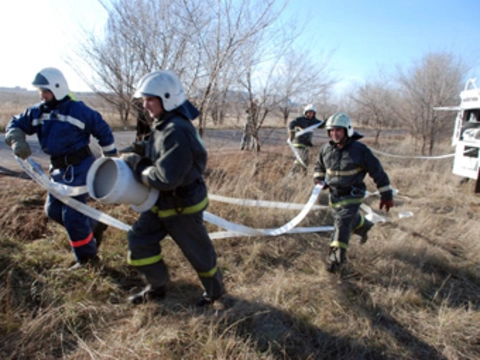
(466, 135)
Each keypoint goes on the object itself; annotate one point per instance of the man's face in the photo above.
(338, 134)
(154, 106)
(309, 115)
(46, 95)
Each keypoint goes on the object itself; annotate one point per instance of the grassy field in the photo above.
(411, 292)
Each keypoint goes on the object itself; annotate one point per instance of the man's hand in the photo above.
(16, 139)
(321, 182)
(21, 149)
(387, 203)
(131, 159)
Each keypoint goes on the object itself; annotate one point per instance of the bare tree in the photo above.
(229, 27)
(434, 81)
(140, 36)
(199, 39)
(302, 77)
(373, 102)
(278, 75)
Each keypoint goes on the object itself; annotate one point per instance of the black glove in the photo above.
(131, 159)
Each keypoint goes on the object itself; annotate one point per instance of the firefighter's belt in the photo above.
(181, 210)
(72, 159)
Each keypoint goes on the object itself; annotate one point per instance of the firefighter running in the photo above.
(63, 126)
(342, 165)
(174, 162)
(303, 142)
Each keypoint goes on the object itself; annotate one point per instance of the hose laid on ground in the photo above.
(35, 171)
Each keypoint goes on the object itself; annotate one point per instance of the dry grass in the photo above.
(411, 292)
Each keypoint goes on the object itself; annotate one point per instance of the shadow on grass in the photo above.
(287, 336)
(360, 301)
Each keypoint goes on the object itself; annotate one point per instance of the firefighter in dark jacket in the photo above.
(341, 167)
(63, 127)
(302, 143)
(174, 162)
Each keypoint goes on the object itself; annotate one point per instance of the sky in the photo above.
(364, 35)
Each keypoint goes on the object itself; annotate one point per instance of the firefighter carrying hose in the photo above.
(174, 161)
(342, 165)
(63, 126)
(303, 142)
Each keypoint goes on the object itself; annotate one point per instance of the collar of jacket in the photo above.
(46, 107)
(347, 143)
(187, 110)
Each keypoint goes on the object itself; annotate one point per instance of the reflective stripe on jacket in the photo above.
(65, 129)
(179, 159)
(344, 169)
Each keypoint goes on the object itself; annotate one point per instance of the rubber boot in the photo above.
(93, 262)
(336, 257)
(363, 231)
(149, 293)
(98, 233)
(206, 300)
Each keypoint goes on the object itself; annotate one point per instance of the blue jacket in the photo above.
(65, 129)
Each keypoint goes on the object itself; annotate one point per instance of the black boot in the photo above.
(92, 262)
(336, 257)
(363, 231)
(148, 294)
(98, 233)
(207, 300)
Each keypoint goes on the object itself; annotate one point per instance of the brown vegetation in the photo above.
(411, 292)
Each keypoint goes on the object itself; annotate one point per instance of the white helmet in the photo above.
(52, 79)
(309, 107)
(163, 84)
(340, 120)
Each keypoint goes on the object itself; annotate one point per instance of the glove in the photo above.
(318, 181)
(387, 203)
(291, 135)
(16, 138)
(21, 149)
(131, 159)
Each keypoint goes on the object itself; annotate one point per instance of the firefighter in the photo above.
(174, 162)
(342, 165)
(63, 126)
(303, 142)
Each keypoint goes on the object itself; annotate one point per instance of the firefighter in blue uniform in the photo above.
(63, 127)
(342, 165)
(174, 162)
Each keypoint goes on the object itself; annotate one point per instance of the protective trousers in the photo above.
(347, 220)
(78, 226)
(190, 234)
(304, 152)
